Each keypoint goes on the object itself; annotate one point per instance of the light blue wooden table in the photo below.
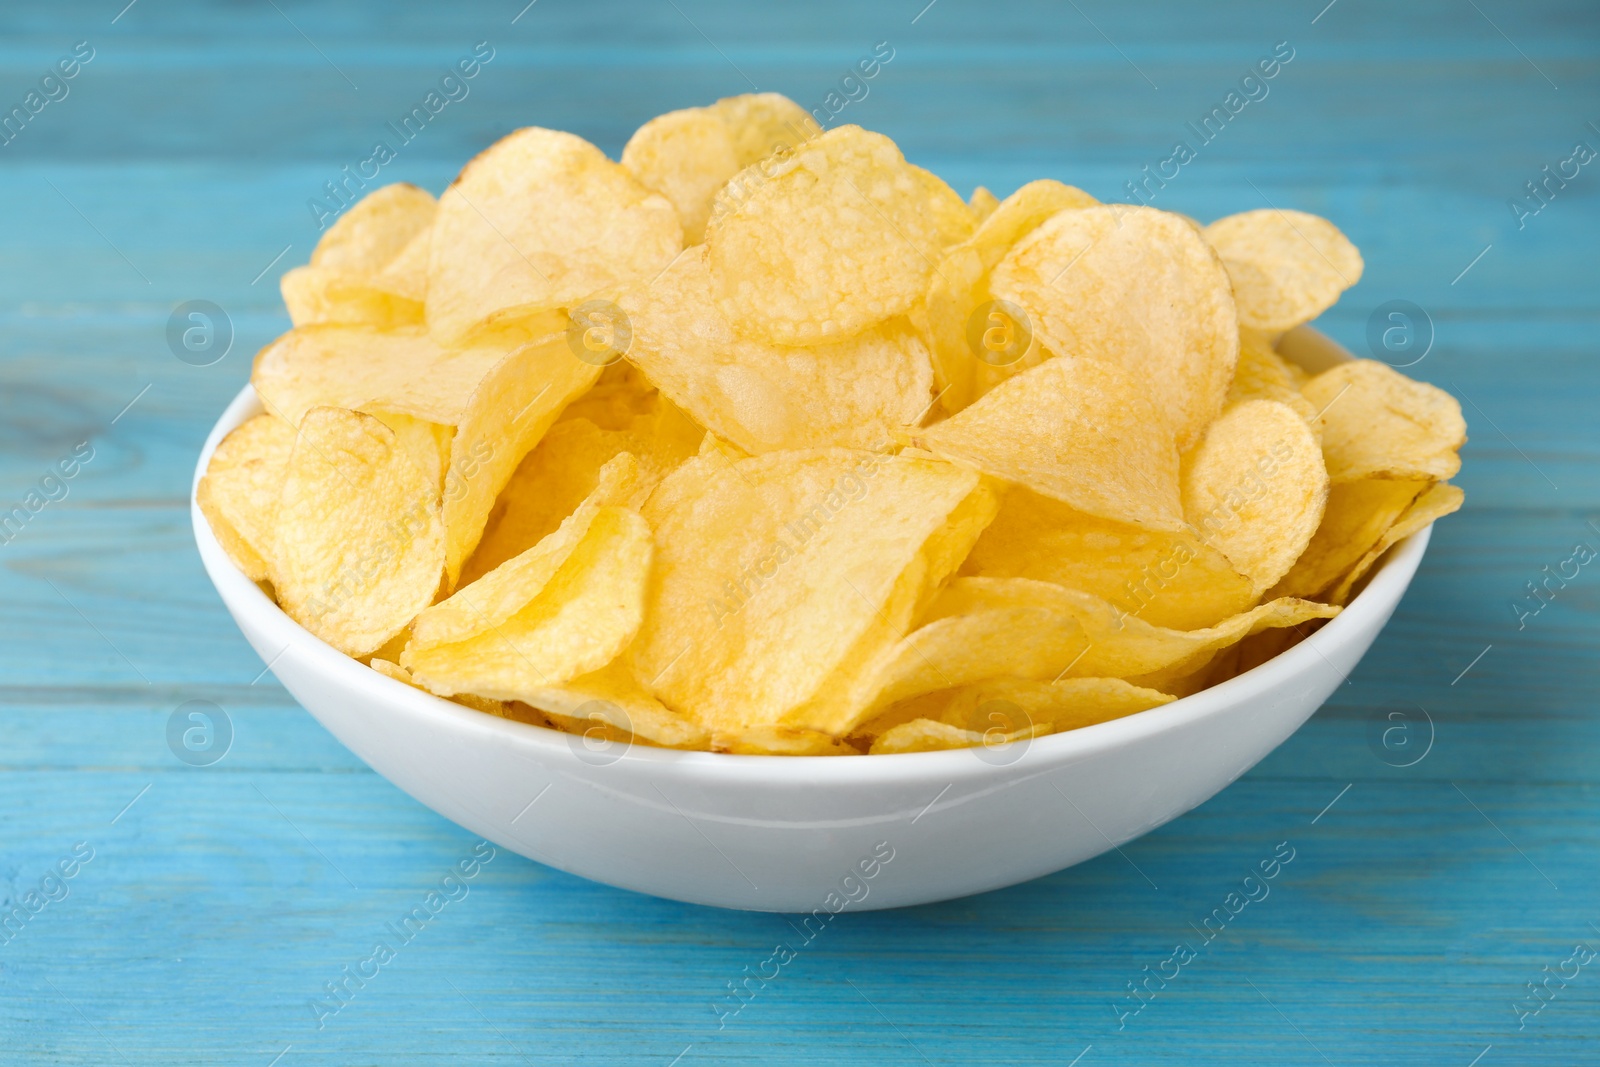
(219, 900)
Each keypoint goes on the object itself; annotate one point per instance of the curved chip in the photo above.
(1134, 287)
(836, 237)
(1262, 374)
(511, 408)
(1023, 212)
(316, 295)
(765, 124)
(1377, 422)
(1434, 503)
(686, 156)
(1003, 709)
(982, 203)
(375, 230)
(400, 370)
(239, 492)
(540, 220)
(764, 397)
(1287, 267)
(358, 549)
(541, 621)
(613, 697)
(1167, 579)
(781, 574)
(1357, 516)
(1078, 430)
(1255, 489)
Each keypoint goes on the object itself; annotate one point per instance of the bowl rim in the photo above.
(1384, 587)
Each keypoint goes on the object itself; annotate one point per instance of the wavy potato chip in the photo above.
(358, 548)
(239, 492)
(427, 443)
(1078, 430)
(613, 697)
(1287, 267)
(540, 220)
(838, 236)
(854, 393)
(1357, 515)
(931, 735)
(771, 571)
(765, 124)
(1435, 502)
(1005, 709)
(1137, 288)
(511, 408)
(1255, 488)
(400, 370)
(1023, 212)
(316, 295)
(1167, 579)
(375, 230)
(1377, 422)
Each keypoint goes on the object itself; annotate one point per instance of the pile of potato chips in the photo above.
(765, 441)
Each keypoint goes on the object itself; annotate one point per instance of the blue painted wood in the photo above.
(219, 900)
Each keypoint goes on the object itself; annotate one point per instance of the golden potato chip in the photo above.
(1262, 374)
(1010, 705)
(1078, 430)
(955, 291)
(539, 620)
(1377, 422)
(970, 634)
(402, 371)
(391, 669)
(1021, 213)
(950, 215)
(565, 468)
(765, 124)
(1287, 267)
(613, 697)
(373, 232)
(686, 156)
(427, 443)
(982, 203)
(407, 274)
(239, 492)
(316, 295)
(770, 571)
(1255, 489)
(930, 735)
(358, 549)
(1357, 515)
(782, 741)
(839, 236)
(1435, 503)
(1167, 579)
(617, 396)
(763, 397)
(540, 220)
(1134, 287)
(509, 411)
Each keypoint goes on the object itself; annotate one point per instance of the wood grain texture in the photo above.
(220, 902)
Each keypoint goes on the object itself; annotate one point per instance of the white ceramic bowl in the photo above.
(797, 834)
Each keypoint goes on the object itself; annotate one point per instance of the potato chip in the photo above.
(970, 635)
(771, 570)
(402, 371)
(1262, 374)
(556, 476)
(559, 611)
(407, 273)
(950, 215)
(375, 230)
(1078, 430)
(390, 669)
(1009, 706)
(782, 741)
(854, 393)
(1287, 267)
(510, 410)
(1377, 422)
(316, 295)
(982, 203)
(839, 236)
(930, 735)
(765, 124)
(1134, 287)
(1021, 213)
(427, 443)
(613, 697)
(1166, 579)
(1435, 503)
(617, 396)
(540, 220)
(1255, 489)
(239, 492)
(1357, 515)
(358, 548)
(686, 156)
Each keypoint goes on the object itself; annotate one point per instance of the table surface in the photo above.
(220, 900)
